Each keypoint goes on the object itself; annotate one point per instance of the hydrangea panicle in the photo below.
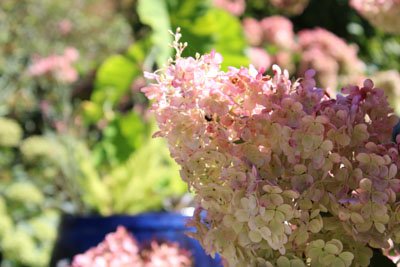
(286, 175)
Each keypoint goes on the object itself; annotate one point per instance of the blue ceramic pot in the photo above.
(78, 234)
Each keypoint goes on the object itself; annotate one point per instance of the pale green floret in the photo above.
(10, 132)
(24, 192)
(328, 254)
(39, 147)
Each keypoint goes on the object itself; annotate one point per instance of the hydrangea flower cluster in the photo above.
(384, 14)
(283, 174)
(120, 249)
(329, 55)
(166, 255)
(276, 31)
(334, 60)
(59, 66)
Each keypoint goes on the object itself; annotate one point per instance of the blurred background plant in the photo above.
(74, 128)
(122, 249)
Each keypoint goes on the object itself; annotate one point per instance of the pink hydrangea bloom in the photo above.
(235, 7)
(166, 255)
(120, 249)
(259, 58)
(278, 30)
(329, 55)
(287, 176)
(294, 7)
(253, 31)
(384, 14)
(59, 67)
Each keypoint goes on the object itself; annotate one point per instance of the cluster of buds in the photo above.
(121, 249)
(283, 174)
(384, 14)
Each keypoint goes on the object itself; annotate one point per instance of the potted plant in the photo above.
(116, 174)
(125, 195)
(285, 175)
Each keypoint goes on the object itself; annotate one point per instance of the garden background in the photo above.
(75, 131)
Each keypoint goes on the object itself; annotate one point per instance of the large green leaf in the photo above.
(154, 13)
(214, 29)
(113, 79)
(121, 138)
(139, 51)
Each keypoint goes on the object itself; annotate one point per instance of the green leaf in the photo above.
(139, 50)
(133, 129)
(154, 13)
(113, 79)
(209, 30)
(141, 184)
(124, 135)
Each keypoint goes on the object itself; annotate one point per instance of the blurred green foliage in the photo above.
(44, 28)
(28, 216)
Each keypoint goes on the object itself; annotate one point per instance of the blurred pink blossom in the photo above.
(166, 255)
(235, 7)
(326, 66)
(253, 31)
(65, 26)
(259, 58)
(329, 55)
(384, 14)
(71, 54)
(284, 59)
(293, 7)
(120, 249)
(278, 30)
(60, 66)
